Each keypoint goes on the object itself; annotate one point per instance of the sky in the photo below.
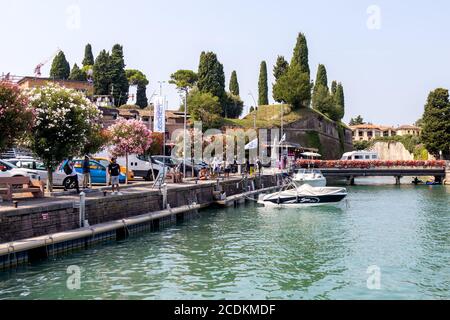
(388, 54)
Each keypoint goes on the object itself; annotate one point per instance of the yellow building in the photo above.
(35, 82)
(367, 132)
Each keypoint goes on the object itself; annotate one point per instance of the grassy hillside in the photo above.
(270, 116)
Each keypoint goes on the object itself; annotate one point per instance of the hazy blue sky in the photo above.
(386, 72)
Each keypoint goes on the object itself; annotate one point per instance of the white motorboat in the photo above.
(304, 195)
(312, 177)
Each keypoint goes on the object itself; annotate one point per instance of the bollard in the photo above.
(164, 194)
(16, 204)
(82, 209)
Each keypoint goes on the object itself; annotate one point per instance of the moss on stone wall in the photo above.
(314, 140)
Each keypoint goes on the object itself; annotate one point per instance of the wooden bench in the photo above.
(11, 185)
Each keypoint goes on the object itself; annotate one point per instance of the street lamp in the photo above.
(256, 109)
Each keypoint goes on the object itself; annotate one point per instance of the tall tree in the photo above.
(321, 77)
(211, 78)
(280, 69)
(137, 78)
(234, 85)
(102, 73)
(339, 101)
(88, 56)
(294, 87)
(356, 121)
(300, 56)
(184, 79)
(321, 98)
(263, 93)
(77, 74)
(436, 123)
(119, 85)
(234, 106)
(333, 87)
(206, 108)
(60, 67)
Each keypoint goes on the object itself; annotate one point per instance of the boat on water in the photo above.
(312, 177)
(304, 195)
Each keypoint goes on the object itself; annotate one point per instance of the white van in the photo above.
(141, 165)
(360, 155)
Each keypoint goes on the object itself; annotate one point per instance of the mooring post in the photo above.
(82, 208)
(397, 180)
(351, 181)
(164, 194)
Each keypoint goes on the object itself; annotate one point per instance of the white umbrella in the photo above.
(311, 154)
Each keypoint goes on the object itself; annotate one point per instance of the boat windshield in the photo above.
(308, 171)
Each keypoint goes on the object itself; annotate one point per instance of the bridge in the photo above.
(351, 173)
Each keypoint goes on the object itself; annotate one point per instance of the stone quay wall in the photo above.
(39, 220)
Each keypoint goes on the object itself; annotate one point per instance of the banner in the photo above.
(159, 123)
(252, 144)
(283, 138)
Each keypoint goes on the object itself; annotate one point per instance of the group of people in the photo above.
(113, 172)
(226, 167)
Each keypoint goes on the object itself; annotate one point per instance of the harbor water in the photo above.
(384, 242)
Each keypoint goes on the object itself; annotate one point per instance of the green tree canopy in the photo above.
(184, 79)
(300, 56)
(102, 73)
(119, 85)
(321, 77)
(339, 101)
(206, 108)
(88, 56)
(263, 93)
(356, 121)
(211, 78)
(234, 85)
(436, 123)
(60, 67)
(77, 74)
(137, 78)
(294, 87)
(234, 106)
(323, 101)
(280, 68)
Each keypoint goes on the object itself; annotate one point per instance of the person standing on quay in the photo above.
(86, 173)
(69, 169)
(114, 172)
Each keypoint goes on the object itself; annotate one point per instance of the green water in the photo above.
(256, 253)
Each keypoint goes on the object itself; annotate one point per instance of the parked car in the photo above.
(123, 169)
(11, 170)
(98, 171)
(141, 165)
(60, 178)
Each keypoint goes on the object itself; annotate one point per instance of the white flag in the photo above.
(283, 138)
(252, 144)
(159, 124)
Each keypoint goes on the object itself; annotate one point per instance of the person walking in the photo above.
(114, 173)
(69, 169)
(86, 173)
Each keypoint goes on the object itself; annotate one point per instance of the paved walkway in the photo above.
(26, 201)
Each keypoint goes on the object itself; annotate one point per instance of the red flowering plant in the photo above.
(129, 137)
(366, 164)
(16, 116)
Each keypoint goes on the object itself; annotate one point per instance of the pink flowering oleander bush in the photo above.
(64, 123)
(16, 116)
(360, 164)
(129, 137)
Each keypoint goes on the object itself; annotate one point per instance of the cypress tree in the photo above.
(436, 123)
(77, 74)
(280, 68)
(321, 77)
(263, 97)
(333, 87)
(102, 73)
(88, 56)
(211, 78)
(60, 67)
(234, 85)
(141, 96)
(119, 85)
(300, 56)
(339, 101)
